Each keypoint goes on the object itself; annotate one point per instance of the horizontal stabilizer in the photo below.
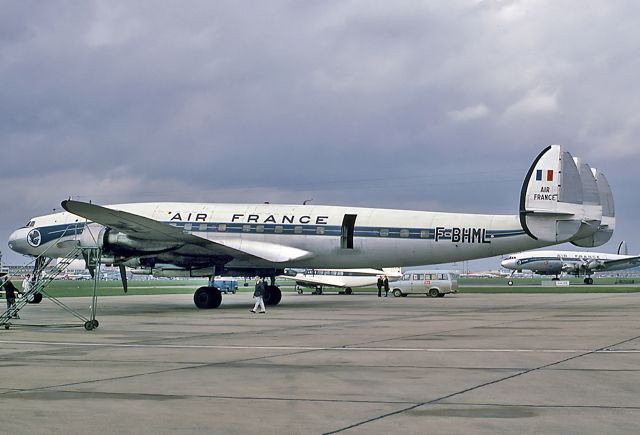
(559, 200)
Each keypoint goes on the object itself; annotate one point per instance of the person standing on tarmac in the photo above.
(258, 294)
(10, 294)
(26, 283)
(386, 286)
(380, 284)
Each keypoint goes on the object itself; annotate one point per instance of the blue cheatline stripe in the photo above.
(55, 231)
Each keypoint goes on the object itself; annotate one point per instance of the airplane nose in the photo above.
(507, 264)
(18, 241)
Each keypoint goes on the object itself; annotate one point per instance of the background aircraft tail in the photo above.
(562, 200)
(622, 248)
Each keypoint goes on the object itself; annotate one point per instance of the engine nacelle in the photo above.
(92, 236)
(120, 243)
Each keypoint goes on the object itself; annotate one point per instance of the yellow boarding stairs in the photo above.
(41, 279)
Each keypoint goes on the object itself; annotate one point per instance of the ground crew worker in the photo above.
(258, 294)
(10, 294)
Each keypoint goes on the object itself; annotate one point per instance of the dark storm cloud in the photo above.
(426, 105)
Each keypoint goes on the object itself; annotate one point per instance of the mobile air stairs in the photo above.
(41, 278)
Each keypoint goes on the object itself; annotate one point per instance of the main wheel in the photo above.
(207, 297)
(433, 292)
(272, 295)
(88, 325)
(588, 281)
(348, 290)
(35, 298)
(510, 283)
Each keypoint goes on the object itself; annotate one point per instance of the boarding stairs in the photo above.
(42, 278)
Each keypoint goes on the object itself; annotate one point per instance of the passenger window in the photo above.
(202, 227)
(246, 228)
(320, 230)
(259, 228)
(278, 229)
(404, 232)
(222, 227)
(187, 227)
(384, 232)
(428, 276)
(424, 234)
(297, 229)
(406, 277)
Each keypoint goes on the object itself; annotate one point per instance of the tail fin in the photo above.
(608, 222)
(559, 201)
(622, 248)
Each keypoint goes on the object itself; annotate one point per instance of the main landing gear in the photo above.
(211, 297)
(588, 280)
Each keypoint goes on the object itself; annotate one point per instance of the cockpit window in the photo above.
(30, 224)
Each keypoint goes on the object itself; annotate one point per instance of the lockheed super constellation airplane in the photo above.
(571, 262)
(561, 200)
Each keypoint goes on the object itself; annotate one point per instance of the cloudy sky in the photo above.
(426, 105)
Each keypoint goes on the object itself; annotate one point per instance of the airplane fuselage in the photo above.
(337, 237)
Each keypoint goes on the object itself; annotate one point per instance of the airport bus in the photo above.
(434, 283)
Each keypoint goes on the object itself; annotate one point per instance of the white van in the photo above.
(434, 283)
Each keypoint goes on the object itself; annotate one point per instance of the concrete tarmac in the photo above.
(466, 363)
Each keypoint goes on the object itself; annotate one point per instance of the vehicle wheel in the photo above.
(348, 290)
(207, 297)
(397, 293)
(35, 298)
(433, 292)
(272, 295)
(510, 283)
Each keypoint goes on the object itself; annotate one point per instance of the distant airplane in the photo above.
(570, 262)
(341, 278)
(561, 200)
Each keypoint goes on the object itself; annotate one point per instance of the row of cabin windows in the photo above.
(384, 232)
(279, 229)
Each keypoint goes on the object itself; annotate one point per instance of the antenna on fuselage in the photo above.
(306, 201)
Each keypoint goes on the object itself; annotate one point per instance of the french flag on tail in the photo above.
(548, 175)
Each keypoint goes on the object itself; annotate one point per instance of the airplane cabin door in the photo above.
(346, 236)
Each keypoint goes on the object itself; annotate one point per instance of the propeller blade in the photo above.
(123, 277)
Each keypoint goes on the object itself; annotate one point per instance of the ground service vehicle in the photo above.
(434, 283)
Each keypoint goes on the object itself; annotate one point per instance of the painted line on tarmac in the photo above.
(310, 348)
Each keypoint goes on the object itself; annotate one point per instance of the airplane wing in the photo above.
(146, 229)
(628, 262)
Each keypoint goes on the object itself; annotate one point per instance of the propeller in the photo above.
(123, 276)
